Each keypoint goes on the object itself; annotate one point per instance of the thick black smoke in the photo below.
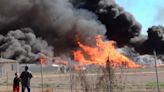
(154, 41)
(121, 25)
(57, 21)
(60, 22)
(14, 14)
(156, 38)
(24, 46)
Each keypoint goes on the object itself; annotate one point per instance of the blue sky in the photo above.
(147, 12)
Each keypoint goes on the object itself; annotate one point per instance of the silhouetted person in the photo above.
(25, 79)
(16, 82)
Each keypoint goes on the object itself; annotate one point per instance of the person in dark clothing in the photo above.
(25, 79)
(16, 82)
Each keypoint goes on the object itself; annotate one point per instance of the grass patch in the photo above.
(153, 85)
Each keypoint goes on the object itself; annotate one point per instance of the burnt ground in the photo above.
(129, 80)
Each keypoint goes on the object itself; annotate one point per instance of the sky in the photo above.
(146, 12)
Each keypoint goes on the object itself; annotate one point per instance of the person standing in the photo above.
(16, 81)
(25, 79)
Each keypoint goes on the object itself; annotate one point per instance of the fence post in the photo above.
(156, 70)
(42, 76)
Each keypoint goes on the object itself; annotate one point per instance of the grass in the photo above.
(153, 85)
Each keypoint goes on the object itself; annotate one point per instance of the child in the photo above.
(16, 82)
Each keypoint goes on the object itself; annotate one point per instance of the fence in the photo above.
(126, 80)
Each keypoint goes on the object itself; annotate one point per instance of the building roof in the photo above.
(3, 61)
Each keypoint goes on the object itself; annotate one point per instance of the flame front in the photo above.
(99, 55)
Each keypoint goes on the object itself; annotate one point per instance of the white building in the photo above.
(8, 67)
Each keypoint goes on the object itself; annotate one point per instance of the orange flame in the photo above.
(99, 55)
(42, 60)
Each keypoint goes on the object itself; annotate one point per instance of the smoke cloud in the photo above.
(145, 59)
(156, 38)
(61, 22)
(57, 21)
(14, 14)
(154, 41)
(121, 25)
(24, 46)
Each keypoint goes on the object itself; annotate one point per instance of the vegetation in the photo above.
(153, 85)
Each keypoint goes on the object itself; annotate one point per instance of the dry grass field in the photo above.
(124, 80)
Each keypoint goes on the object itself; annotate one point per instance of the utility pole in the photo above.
(156, 70)
(7, 76)
(41, 61)
(110, 75)
(42, 76)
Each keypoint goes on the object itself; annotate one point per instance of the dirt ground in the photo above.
(130, 80)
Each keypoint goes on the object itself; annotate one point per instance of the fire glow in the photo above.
(99, 55)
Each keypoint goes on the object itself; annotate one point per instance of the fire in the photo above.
(42, 60)
(99, 55)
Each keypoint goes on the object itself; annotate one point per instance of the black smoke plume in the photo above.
(24, 46)
(57, 21)
(121, 25)
(154, 41)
